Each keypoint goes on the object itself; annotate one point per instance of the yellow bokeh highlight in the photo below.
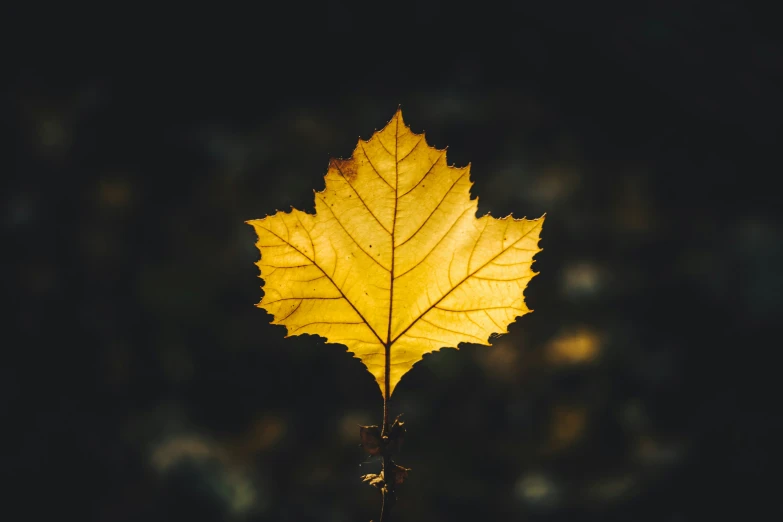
(579, 346)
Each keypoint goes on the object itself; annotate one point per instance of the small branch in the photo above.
(385, 424)
(385, 441)
(387, 491)
(389, 481)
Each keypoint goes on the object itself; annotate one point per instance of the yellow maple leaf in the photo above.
(394, 263)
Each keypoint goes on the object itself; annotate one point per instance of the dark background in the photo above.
(139, 382)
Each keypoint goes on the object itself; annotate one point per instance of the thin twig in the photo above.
(389, 480)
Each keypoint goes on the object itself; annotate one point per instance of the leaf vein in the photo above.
(433, 210)
(390, 153)
(322, 322)
(292, 312)
(492, 319)
(465, 310)
(373, 166)
(361, 199)
(450, 330)
(425, 174)
(475, 245)
(350, 236)
(438, 243)
(284, 267)
(301, 299)
(335, 285)
(410, 151)
(460, 283)
(312, 245)
(498, 280)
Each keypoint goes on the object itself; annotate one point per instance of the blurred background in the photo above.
(139, 382)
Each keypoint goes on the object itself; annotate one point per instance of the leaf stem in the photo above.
(385, 425)
(389, 497)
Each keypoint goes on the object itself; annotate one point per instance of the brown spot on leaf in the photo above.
(346, 168)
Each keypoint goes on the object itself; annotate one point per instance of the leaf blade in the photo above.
(405, 266)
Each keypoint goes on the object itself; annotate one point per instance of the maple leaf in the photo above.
(394, 263)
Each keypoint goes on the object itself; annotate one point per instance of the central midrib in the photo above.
(387, 347)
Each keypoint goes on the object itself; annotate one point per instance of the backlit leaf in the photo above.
(394, 263)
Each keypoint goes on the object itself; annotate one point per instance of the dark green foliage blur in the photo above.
(140, 382)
